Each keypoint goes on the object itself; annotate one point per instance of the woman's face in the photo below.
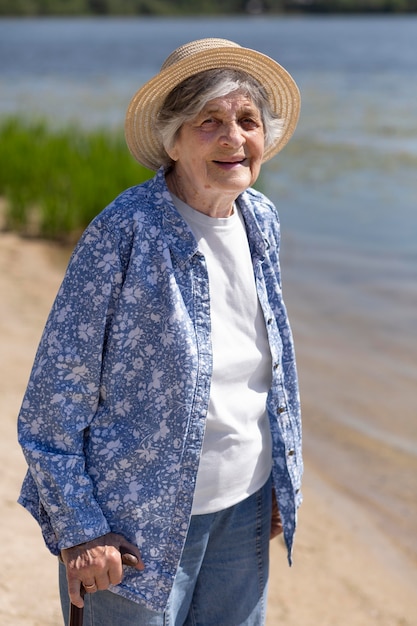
(219, 153)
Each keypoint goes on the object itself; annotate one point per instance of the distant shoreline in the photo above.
(214, 8)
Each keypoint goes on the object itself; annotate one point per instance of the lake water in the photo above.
(358, 78)
(348, 175)
(345, 186)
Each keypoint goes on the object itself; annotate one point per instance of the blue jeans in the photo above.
(221, 580)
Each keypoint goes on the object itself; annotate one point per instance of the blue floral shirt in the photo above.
(112, 421)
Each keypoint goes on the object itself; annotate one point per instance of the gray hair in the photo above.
(188, 98)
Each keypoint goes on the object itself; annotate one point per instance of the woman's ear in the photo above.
(172, 152)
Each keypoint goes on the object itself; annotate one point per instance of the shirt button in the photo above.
(291, 452)
(281, 409)
(276, 366)
(269, 321)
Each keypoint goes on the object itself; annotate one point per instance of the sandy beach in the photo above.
(355, 561)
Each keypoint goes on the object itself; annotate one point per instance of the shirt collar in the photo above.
(258, 243)
(181, 240)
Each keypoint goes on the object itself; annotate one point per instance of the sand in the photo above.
(350, 568)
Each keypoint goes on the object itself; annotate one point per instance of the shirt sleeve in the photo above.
(64, 391)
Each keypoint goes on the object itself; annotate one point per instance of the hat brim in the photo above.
(282, 91)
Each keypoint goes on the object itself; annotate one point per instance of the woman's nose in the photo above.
(231, 134)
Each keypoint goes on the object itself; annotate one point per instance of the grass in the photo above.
(54, 182)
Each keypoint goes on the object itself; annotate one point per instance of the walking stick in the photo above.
(76, 615)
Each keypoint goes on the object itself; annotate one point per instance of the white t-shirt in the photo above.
(236, 457)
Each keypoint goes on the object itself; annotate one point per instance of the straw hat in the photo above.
(194, 57)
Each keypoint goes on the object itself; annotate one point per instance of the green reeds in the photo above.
(55, 181)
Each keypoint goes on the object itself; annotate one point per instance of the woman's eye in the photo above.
(248, 122)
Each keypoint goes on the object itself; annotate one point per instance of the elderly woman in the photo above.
(161, 423)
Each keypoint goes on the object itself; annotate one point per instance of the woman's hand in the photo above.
(276, 523)
(97, 564)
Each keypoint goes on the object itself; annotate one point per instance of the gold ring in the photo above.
(89, 586)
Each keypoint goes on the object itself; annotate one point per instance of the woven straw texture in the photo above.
(195, 57)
